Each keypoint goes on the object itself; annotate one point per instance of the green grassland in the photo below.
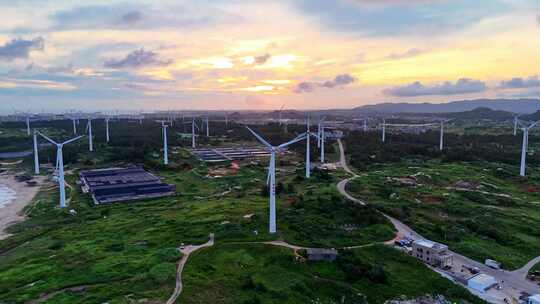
(497, 218)
(256, 273)
(127, 251)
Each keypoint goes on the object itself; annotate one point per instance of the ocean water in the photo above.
(6, 195)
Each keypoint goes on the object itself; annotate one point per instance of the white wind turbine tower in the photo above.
(384, 130)
(60, 165)
(36, 156)
(107, 129)
(525, 146)
(365, 124)
(321, 137)
(515, 125)
(308, 152)
(165, 148)
(90, 137)
(74, 120)
(441, 140)
(28, 124)
(193, 127)
(272, 174)
(207, 126)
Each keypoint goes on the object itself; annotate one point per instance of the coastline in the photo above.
(12, 212)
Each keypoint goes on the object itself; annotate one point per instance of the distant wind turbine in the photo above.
(90, 137)
(384, 130)
(271, 181)
(60, 165)
(525, 146)
(107, 129)
(321, 137)
(193, 127)
(27, 124)
(165, 148)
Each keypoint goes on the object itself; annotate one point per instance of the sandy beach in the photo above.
(11, 211)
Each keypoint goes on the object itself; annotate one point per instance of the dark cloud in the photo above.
(521, 83)
(305, 87)
(20, 48)
(140, 17)
(131, 17)
(136, 59)
(261, 59)
(338, 81)
(407, 54)
(462, 86)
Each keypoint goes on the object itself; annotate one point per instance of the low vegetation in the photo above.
(256, 273)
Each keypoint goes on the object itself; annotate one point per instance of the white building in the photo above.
(433, 253)
(481, 282)
(534, 299)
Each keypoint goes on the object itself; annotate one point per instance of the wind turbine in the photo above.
(515, 125)
(321, 137)
(74, 125)
(60, 165)
(365, 125)
(193, 126)
(107, 128)
(90, 137)
(36, 156)
(441, 140)
(207, 126)
(525, 146)
(165, 148)
(272, 174)
(384, 130)
(308, 152)
(28, 124)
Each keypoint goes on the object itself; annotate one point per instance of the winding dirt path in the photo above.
(186, 252)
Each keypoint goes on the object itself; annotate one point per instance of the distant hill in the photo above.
(480, 113)
(531, 117)
(509, 105)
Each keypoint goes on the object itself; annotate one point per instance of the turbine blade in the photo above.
(47, 138)
(260, 138)
(297, 139)
(534, 124)
(72, 140)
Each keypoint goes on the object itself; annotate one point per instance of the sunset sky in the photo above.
(158, 55)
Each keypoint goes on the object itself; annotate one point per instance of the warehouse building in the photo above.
(482, 282)
(123, 184)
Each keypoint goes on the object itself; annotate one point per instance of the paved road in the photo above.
(523, 271)
(342, 184)
(186, 251)
(512, 279)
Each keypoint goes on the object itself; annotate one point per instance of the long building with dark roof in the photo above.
(123, 184)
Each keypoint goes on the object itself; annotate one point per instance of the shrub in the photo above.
(163, 272)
